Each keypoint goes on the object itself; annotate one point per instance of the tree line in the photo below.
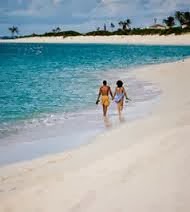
(177, 24)
(183, 19)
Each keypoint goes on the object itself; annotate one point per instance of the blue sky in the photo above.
(82, 15)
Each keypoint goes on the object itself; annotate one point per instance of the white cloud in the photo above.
(87, 13)
(142, 12)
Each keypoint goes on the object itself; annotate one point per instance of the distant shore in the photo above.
(113, 39)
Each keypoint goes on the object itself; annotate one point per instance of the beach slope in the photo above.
(114, 39)
(140, 166)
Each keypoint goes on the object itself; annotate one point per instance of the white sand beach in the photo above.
(140, 166)
(116, 39)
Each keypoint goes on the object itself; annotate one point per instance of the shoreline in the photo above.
(113, 39)
(130, 164)
(32, 143)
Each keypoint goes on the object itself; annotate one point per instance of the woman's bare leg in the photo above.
(119, 107)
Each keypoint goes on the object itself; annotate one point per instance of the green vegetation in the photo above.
(99, 32)
(63, 33)
(177, 24)
(183, 18)
(170, 21)
(54, 34)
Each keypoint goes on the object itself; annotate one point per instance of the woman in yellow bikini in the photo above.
(104, 92)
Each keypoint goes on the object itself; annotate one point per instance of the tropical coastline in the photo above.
(38, 119)
(121, 167)
(112, 39)
(94, 106)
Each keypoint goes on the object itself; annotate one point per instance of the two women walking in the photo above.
(118, 96)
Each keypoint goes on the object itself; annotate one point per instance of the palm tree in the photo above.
(187, 18)
(128, 23)
(183, 18)
(57, 30)
(98, 29)
(121, 24)
(105, 28)
(13, 30)
(170, 21)
(125, 24)
(112, 26)
(179, 16)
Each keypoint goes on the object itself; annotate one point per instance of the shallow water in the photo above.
(48, 91)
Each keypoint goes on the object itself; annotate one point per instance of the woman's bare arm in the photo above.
(114, 93)
(125, 93)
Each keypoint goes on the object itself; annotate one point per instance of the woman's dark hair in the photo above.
(119, 83)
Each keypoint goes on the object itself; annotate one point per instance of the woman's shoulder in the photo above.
(120, 88)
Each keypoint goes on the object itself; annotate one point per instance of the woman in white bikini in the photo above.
(119, 95)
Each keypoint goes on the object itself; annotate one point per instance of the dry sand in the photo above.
(141, 166)
(116, 39)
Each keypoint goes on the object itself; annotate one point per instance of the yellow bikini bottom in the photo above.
(105, 101)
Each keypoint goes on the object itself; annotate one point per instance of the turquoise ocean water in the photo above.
(45, 84)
